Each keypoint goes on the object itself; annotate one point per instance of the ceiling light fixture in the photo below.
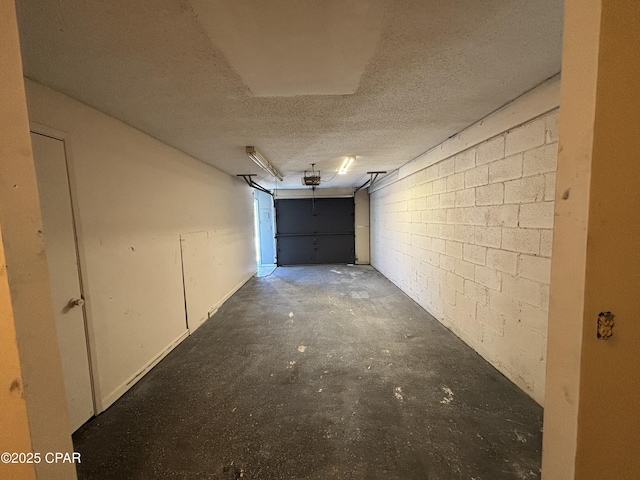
(346, 164)
(263, 163)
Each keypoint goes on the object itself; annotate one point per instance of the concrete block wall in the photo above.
(469, 239)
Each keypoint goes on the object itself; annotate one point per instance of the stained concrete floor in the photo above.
(318, 373)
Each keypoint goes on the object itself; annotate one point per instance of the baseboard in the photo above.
(119, 391)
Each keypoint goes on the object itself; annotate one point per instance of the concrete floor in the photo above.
(318, 372)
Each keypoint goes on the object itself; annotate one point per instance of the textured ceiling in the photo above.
(303, 81)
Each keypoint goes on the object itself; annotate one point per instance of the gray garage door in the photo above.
(315, 231)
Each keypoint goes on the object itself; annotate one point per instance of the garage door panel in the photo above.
(316, 231)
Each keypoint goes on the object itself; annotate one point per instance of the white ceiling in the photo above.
(303, 81)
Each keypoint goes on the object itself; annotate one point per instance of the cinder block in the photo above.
(474, 254)
(544, 302)
(546, 242)
(520, 240)
(464, 233)
(503, 261)
(446, 167)
(425, 242)
(506, 169)
(448, 200)
(439, 215)
(426, 216)
(432, 173)
(536, 215)
(439, 186)
(426, 189)
(490, 194)
(525, 190)
(464, 269)
(488, 236)
(525, 340)
(448, 295)
(522, 289)
(433, 286)
(535, 319)
(421, 176)
(437, 304)
(550, 186)
(476, 216)
(454, 249)
(535, 268)
(504, 304)
(432, 258)
(551, 123)
(472, 328)
(455, 281)
(433, 229)
(433, 201)
(465, 198)
(466, 305)
(476, 292)
(439, 245)
(448, 232)
(440, 274)
(525, 137)
(447, 263)
(455, 216)
(490, 319)
(455, 182)
(503, 216)
(476, 176)
(540, 160)
(490, 150)
(465, 160)
(488, 277)
(525, 365)
(499, 348)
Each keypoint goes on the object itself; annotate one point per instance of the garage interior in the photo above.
(467, 168)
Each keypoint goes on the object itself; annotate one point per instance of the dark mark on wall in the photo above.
(565, 195)
(15, 385)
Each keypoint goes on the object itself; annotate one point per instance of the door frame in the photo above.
(65, 138)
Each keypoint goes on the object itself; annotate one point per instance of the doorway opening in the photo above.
(265, 240)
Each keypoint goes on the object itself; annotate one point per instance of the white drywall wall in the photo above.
(469, 238)
(134, 197)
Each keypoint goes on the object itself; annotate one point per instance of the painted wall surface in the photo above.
(33, 413)
(469, 238)
(362, 227)
(591, 418)
(14, 434)
(567, 293)
(134, 197)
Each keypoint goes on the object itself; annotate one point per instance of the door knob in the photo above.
(76, 302)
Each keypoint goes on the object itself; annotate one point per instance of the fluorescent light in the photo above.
(263, 163)
(346, 164)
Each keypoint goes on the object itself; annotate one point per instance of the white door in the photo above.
(60, 242)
